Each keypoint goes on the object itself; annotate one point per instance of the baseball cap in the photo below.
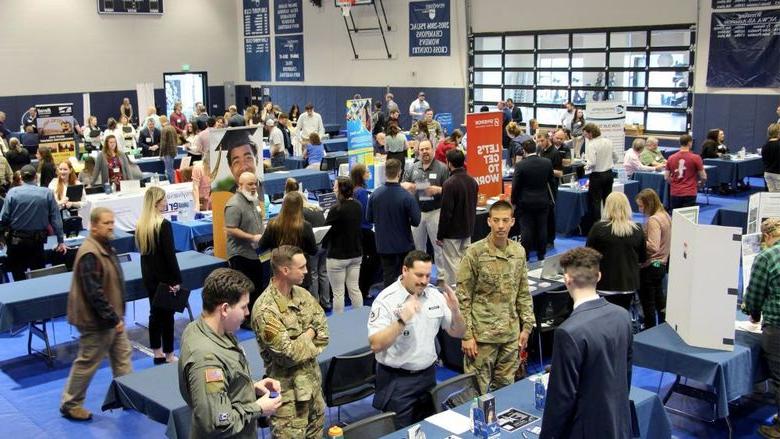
(28, 171)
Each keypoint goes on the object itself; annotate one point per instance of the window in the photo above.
(649, 69)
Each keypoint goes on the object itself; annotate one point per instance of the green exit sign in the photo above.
(185, 67)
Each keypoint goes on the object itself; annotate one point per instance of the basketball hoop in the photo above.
(346, 6)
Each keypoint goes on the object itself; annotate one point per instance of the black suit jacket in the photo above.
(590, 376)
(517, 114)
(532, 183)
(144, 141)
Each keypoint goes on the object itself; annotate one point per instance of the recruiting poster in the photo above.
(289, 58)
(256, 18)
(257, 59)
(55, 124)
(429, 28)
(483, 151)
(288, 16)
(610, 117)
(233, 151)
(360, 141)
(745, 49)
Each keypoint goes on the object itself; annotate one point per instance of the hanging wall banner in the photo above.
(429, 28)
(288, 16)
(610, 117)
(289, 58)
(483, 151)
(257, 59)
(733, 4)
(256, 18)
(55, 124)
(745, 49)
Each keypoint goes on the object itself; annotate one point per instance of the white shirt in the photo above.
(310, 124)
(276, 139)
(418, 107)
(631, 163)
(415, 347)
(567, 118)
(598, 152)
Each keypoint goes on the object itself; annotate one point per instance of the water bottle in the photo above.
(540, 393)
(474, 416)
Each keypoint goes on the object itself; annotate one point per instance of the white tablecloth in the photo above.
(127, 206)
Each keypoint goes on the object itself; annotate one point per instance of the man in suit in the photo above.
(590, 376)
(149, 139)
(517, 113)
(531, 197)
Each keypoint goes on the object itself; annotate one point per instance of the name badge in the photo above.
(148, 140)
(116, 170)
(432, 176)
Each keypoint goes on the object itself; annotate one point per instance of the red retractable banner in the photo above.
(483, 151)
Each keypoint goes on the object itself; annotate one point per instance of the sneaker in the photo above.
(769, 431)
(76, 413)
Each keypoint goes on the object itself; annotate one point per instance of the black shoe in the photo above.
(159, 360)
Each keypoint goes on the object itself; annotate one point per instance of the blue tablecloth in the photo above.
(335, 144)
(310, 179)
(46, 297)
(731, 374)
(734, 215)
(572, 205)
(653, 422)
(123, 242)
(667, 151)
(155, 164)
(155, 391)
(188, 234)
(294, 162)
(657, 182)
(733, 171)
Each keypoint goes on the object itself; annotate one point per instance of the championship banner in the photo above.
(55, 124)
(360, 141)
(429, 28)
(610, 117)
(745, 49)
(256, 18)
(483, 151)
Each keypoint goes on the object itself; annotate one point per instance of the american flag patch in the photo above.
(214, 375)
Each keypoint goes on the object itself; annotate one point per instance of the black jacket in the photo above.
(161, 266)
(458, 206)
(145, 140)
(344, 237)
(590, 375)
(532, 183)
(621, 256)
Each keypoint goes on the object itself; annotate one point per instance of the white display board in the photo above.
(610, 117)
(761, 206)
(703, 278)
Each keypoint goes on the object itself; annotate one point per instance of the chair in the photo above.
(551, 308)
(350, 378)
(374, 426)
(454, 392)
(37, 328)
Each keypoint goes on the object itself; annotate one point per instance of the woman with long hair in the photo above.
(770, 155)
(345, 251)
(128, 133)
(168, 144)
(113, 129)
(66, 176)
(369, 266)
(47, 170)
(294, 114)
(289, 227)
(126, 109)
(713, 147)
(658, 241)
(113, 166)
(154, 239)
(87, 175)
(450, 142)
(622, 244)
(576, 132)
(395, 143)
(92, 134)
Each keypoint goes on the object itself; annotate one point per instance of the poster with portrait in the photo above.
(233, 151)
(55, 124)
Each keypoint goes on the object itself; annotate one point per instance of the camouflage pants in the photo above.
(299, 419)
(495, 365)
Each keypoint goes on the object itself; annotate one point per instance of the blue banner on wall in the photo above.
(745, 49)
(429, 28)
(256, 18)
(257, 59)
(289, 58)
(288, 16)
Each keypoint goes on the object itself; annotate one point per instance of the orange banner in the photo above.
(483, 151)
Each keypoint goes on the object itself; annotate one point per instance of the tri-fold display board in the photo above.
(703, 278)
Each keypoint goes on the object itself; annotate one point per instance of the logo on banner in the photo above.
(64, 110)
(620, 109)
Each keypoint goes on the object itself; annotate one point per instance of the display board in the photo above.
(360, 142)
(745, 49)
(188, 88)
(429, 28)
(703, 278)
(55, 125)
(130, 7)
(761, 206)
(610, 117)
(484, 151)
(233, 151)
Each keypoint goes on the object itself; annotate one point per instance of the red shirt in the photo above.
(441, 150)
(683, 167)
(178, 121)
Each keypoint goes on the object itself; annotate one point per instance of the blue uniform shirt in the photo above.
(31, 208)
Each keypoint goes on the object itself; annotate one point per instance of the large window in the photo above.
(651, 69)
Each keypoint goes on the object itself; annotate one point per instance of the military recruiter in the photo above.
(291, 332)
(96, 306)
(402, 327)
(493, 293)
(214, 377)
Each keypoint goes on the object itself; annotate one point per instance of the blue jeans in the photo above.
(168, 162)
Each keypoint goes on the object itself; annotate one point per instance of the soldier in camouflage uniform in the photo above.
(291, 331)
(214, 376)
(494, 299)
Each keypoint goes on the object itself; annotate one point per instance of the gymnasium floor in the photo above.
(30, 392)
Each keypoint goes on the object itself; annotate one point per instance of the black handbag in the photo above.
(166, 299)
